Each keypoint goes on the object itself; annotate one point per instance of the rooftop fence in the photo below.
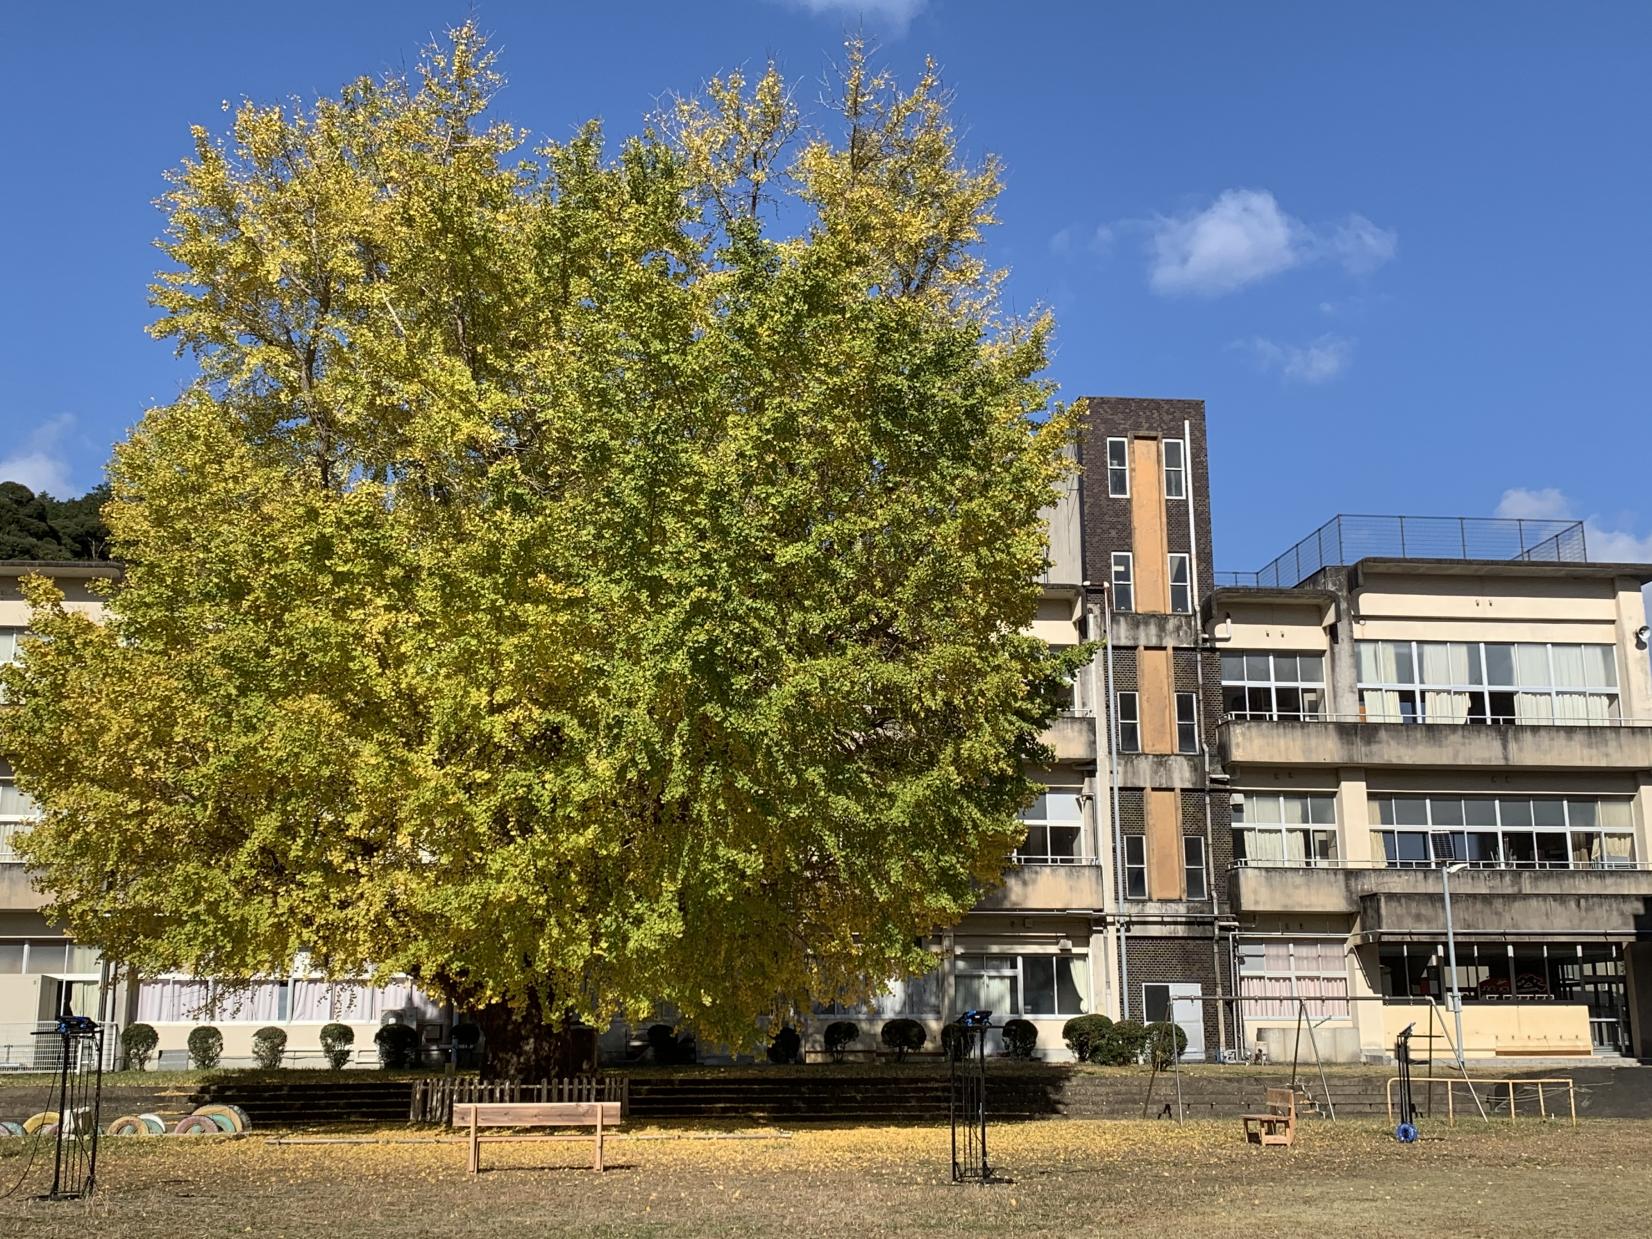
(1347, 539)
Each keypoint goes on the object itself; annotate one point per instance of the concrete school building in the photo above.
(1256, 797)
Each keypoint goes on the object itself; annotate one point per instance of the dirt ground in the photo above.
(1064, 1178)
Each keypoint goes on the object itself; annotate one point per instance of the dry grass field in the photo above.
(1063, 1178)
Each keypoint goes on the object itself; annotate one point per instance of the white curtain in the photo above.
(1264, 846)
(172, 1000)
(1381, 705)
(1568, 667)
(311, 1001)
(1445, 707)
(1377, 664)
(261, 1003)
(1531, 666)
(1532, 708)
(1600, 667)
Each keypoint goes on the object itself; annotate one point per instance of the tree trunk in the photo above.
(523, 1045)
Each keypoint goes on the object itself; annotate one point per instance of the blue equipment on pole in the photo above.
(1406, 1132)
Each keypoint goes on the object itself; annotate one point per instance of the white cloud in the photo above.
(895, 15)
(1318, 361)
(40, 463)
(1605, 545)
(1244, 237)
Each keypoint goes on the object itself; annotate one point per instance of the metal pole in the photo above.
(1451, 959)
(1113, 788)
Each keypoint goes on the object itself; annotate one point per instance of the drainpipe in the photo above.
(1097, 839)
(1113, 787)
(1200, 716)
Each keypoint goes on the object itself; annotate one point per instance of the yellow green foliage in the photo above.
(578, 574)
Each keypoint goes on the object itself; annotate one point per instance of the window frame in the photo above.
(1013, 966)
(1119, 473)
(1080, 856)
(1430, 834)
(1189, 726)
(1135, 866)
(1481, 690)
(1192, 867)
(1133, 721)
(1124, 591)
(1185, 586)
(1272, 686)
(1179, 470)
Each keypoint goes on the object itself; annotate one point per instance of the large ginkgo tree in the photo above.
(585, 577)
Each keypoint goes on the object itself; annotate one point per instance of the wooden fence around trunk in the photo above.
(433, 1100)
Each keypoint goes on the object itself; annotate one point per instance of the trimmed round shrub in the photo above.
(904, 1036)
(1166, 1040)
(785, 1046)
(206, 1047)
(1084, 1033)
(1123, 1044)
(336, 1043)
(398, 1047)
(138, 1042)
(1019, 1037)
(467, 1036)
(838, 1035)
(269, 1047)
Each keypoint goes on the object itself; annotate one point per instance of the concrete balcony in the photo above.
(1058, 888)
(1530, 746)
(1408, 903)
(1072, 737)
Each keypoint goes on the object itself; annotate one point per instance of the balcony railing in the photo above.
(1346, 539)
(1602, 866)
(1395, 720)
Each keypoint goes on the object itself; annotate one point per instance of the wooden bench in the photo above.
(475, 1116)
(1278, 1125)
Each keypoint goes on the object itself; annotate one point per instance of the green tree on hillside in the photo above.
(40, 527)
(579, 577)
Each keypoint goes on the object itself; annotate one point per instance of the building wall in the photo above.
(1163, 795)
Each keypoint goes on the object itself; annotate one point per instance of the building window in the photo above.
(1187, 723)
(1193, 867)
(1129, 718)
(1487, 682)
(1135, 866)
(17, 814)
(1055, 823)
(1259, 685)
(1181, 586)
(1290, 828)
(1124, 577)
(1175, 469)
(1507, 832)
(1118, 468)
(1274, 975)
(1021, 984)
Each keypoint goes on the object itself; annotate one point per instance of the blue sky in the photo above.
(1402, 252)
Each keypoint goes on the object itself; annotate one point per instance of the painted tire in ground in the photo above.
(49, 1130)
(228, 1118)
(155, 1123)
(11, 1129)
(196, 1125)
(1405, 1133)
(130, 1125)
(33, 1124)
